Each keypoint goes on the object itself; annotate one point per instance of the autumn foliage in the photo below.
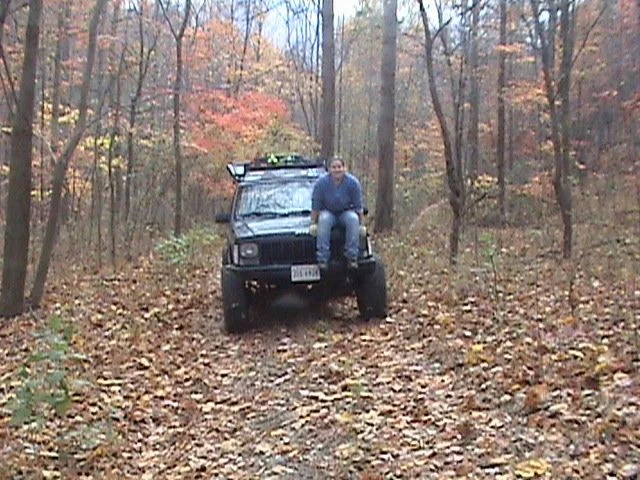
(229, 126)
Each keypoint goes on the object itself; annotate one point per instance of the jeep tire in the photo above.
(371, 293)
(235, 302)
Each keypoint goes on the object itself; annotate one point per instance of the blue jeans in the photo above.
(351, 223)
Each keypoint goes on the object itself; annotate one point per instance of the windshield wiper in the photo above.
(295, 212)
(260, 214)
(277, 214)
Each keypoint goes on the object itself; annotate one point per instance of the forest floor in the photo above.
(514, 365)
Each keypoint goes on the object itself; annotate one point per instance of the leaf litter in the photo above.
(458, 382)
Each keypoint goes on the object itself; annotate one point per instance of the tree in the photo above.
(302, 24)
(501, 110)
(59, 57)
(328, 117)
(143, 62)
(386, 125)
(16, 238)
(557, 90)
(474, 97)
(4, 10)
(62, 163)
(10, 95)
(116, 67)
(178, 36)
(455, 179)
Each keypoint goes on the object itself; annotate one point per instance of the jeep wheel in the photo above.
(235, 302)
(371, 293)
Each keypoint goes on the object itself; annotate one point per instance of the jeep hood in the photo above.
(295, 225)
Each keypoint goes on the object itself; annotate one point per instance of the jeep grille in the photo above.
(288, 250)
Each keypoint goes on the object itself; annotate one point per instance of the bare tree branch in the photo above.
(589, 31)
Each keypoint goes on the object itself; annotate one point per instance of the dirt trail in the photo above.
(439, 389)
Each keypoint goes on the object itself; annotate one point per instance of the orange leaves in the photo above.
(223, 122)
(526, 95)
(536, 396)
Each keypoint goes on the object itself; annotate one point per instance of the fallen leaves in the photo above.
(536, 397)
(532, 468)
(448, 386)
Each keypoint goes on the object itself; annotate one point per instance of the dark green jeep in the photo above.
(270, 252)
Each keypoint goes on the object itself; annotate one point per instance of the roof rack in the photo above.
(272, 162)
(283, 161)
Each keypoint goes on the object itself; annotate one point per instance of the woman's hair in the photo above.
(336, 159)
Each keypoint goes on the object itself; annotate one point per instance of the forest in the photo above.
(498, 146)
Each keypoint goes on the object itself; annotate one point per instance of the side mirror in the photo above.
(224, 217)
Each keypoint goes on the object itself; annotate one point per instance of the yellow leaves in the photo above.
(512, 48)
(346, 450)
(70, 118)
(526, 95)
(144, 362)
(282, 470)
(532, 468)
(546, 147)
(51, 474)
(321, 396)
(477, 355)
(103, 142)
(344, 418)
(229, 446)
(485, 182)
(576, 353)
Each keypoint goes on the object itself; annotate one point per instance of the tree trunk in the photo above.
(245, 46)
(328, 116)
(314, 85)
(4, 10)
(114, 101)
(474, 121)
(97, 192)
(386, 125)
(57, 77)
(16, 237)
(96, 187)
(63, 162)
(143, 68)
(563, 191)
(501, 111)
(340, 114)
(177, 152)
(560, 122)
(454, 178)
(9, 94)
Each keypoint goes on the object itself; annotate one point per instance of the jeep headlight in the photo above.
(249, 250)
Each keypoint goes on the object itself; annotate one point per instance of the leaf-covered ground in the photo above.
(516, 365)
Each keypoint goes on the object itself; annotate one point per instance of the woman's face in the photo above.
(336, 168)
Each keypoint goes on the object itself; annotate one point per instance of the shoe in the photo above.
(352, 264)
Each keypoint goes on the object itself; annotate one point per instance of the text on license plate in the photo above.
(305, 273)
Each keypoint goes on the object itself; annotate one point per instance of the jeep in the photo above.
(269, 251)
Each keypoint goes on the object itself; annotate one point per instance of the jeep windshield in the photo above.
(275, 199)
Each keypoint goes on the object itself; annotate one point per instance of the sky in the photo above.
(275, 30)
(344, 7)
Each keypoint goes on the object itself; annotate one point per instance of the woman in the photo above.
(337, 199)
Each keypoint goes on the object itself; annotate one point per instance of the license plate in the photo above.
(305, 273)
